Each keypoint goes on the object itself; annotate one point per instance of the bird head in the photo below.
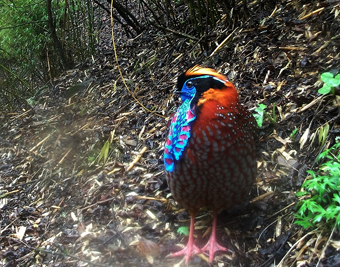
(200, 84)
(198, 71)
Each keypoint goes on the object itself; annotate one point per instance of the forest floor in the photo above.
(82, 176)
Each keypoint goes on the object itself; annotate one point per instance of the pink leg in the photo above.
(190, 248)
(212, 246)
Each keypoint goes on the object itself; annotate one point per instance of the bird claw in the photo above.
(187, 252)
(211, 247)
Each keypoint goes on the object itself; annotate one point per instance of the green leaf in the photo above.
(330, 82)
(304, 207)
(325, 89)
(91, 159)
(332, 212)
(338, 219)
(325, 133)
(336, 197)
(337, 79)
(259, 114)
(317, 218)
(104, 151)
(314, 207)
(333, 169)
(304, 224)
(326, 77)
(304, 221)
(183, 230)
(311, 184)
(301, 193)
(323, 155)
(320, 135)
(292, 135)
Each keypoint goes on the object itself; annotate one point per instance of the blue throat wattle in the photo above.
(180, 128)
(179, 132)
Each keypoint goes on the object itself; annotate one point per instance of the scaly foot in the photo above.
(212, 246)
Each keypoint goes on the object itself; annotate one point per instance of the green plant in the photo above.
(323, 133)
(39, 40)
(273, 117)
(321, 194)
(260, 112)
(183, 230)
(293, 134)
(330, 82)
(104, 152)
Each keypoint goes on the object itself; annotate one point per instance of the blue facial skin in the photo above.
(188, 92)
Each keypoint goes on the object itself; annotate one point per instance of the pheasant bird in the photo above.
(210, 152)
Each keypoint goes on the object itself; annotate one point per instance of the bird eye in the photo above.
(189, 84)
